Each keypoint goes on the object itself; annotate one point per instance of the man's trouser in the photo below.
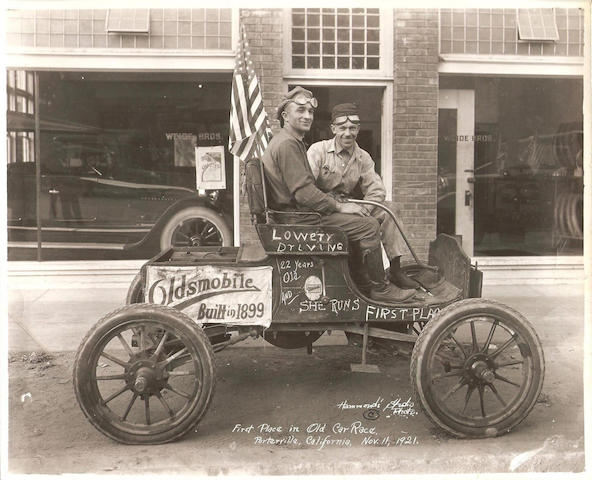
(363, 230)
(393, 242)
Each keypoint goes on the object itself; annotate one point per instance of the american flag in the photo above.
(249, 127)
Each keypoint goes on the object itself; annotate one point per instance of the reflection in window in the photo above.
(117, 154)
(20, 147)
(528, 181)
(20, 89)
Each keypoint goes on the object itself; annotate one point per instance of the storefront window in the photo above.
(118, 164)
(528, 166)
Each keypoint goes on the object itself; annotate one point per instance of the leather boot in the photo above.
(358, 269)
(382, 289)
(398, 277)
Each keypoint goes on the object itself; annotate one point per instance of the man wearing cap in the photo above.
(292, 188)
(339, 165)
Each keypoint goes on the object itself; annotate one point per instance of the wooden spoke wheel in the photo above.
(144, 374)
(477, 369)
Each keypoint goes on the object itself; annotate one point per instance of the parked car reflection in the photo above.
(94, 194)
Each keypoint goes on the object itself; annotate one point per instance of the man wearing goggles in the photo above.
(292, 188)
(342, 169)
(300, 100)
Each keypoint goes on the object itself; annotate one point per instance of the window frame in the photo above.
(385, 53)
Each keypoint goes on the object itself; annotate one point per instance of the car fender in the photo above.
(152, 240)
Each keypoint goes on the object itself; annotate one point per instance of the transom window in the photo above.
(336, 38)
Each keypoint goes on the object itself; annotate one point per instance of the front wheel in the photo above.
(195, 227)
(144, 374)
(477, 369)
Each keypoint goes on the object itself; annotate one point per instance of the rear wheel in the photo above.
(140, 388)
(477, 368)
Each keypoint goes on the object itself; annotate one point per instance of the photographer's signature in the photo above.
(394, 407)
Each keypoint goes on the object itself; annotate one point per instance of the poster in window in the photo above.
(209, 168)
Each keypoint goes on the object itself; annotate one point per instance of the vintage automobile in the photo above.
(145, 373)
(93, 196)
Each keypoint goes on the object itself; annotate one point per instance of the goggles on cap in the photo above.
(303, 101)
(355, 119)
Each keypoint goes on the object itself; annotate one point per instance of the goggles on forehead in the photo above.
(304, 100)
(344, 118)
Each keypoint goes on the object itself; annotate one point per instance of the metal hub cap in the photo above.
(145, 376)
(480, 368)
(195, 240)
(481, 371)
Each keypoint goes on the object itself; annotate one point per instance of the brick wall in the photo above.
(264, 30)
(415, 136)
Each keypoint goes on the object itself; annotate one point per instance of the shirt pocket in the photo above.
(329, 177)
(327, 170)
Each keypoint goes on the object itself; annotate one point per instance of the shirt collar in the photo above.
(290, 134)
(334, 148)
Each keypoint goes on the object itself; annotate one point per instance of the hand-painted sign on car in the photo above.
(212, 294)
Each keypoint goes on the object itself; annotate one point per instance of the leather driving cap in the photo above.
(344, 110)
(289, 96)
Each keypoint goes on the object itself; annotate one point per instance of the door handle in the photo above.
(468, 196)
(53, 191)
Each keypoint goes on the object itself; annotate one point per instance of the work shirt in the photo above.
(291, 184)
(335, 174)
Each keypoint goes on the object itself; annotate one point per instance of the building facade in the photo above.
(474, 119)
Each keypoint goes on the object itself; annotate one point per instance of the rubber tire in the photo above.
(211, 216)
(442, 321)
(82, 368)
(290, 340)
(135, 292)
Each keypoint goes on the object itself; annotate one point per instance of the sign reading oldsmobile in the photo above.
(211, 294)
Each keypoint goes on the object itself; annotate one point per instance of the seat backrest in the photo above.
(255, 185)
(287, 238)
